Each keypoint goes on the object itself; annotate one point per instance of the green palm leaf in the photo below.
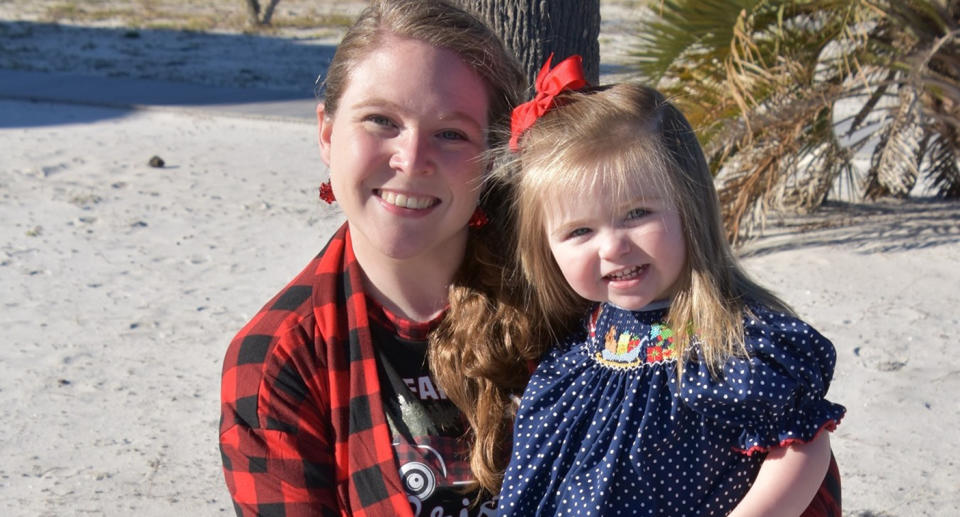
(761, 80)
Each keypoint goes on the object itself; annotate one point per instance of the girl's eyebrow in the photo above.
(567, 226)
(556, 221)
(641, 202)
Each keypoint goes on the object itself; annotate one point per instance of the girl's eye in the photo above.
(636, 213)
(578, 232)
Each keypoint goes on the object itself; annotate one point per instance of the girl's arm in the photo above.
(788, 480)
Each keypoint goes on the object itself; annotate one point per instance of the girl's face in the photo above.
(403, 151)
(628, 254)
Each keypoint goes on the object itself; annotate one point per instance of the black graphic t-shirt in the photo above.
(427, 428)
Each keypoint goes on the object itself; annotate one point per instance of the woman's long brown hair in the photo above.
(482, 353)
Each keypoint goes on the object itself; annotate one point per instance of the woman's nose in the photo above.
(412, 154)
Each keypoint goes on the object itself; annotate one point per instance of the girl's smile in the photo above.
(625, 277)
(629, 254)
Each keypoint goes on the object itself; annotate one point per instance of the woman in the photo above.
(327, 406)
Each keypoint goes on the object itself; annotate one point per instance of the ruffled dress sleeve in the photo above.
(777, 394)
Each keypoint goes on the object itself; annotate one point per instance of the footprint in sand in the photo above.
(879, 359)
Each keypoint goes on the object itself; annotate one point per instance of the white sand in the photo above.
(882, 284)
(122, 285)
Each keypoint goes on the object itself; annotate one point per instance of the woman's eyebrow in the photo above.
(452, 116)
(460, 116)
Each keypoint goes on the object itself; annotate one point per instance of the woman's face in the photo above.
(403, 150)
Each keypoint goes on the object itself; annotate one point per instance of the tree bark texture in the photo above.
(268, 12)
(253, 12)
(533, 29)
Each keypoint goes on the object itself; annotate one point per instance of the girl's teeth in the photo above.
(620, 275)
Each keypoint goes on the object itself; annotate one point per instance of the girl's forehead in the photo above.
(601, 197)
(607, 183)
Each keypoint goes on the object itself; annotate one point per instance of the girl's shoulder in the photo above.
(766, 330)
(777, 393)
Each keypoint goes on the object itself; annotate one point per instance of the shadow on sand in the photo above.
(882, 227)
(254, 75)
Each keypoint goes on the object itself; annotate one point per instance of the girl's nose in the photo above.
(412, 154)
(613, 245)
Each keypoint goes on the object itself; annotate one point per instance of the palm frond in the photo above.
(943, 154)
(896, 159)
(686, 28)
(779, 170)
(928, 34)
(761, 80)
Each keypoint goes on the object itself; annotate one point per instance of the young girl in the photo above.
(687, 389)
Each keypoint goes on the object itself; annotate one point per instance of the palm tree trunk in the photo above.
(533, 29)
(268, 12)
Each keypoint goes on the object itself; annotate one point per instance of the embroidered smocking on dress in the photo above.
(605, 428)
(627, 349)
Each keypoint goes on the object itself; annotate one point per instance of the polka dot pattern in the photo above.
(604, 428)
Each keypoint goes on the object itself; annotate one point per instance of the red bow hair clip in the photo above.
(567, 75)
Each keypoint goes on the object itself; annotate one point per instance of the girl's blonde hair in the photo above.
(621, 138)
(507, 310)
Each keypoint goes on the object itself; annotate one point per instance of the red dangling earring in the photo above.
(478, 219)
(326, 192)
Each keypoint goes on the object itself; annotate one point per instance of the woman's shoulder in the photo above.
(277, 360)
(287, 316)
(301, 314)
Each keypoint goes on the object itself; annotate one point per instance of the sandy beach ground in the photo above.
(122, 283)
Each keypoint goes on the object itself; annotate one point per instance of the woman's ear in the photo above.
(324, 129)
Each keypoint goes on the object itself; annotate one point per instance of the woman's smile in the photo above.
(403, 160)
(409, 201)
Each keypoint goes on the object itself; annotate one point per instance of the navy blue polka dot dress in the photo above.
(603, 428)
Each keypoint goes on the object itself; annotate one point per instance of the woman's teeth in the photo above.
(405, 201)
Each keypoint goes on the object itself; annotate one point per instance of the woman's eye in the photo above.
(636, 213)
(379, 120)
(451, 134)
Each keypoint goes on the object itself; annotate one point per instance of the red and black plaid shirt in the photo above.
(302, 429)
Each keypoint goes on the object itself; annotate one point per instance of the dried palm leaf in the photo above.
(896, 160)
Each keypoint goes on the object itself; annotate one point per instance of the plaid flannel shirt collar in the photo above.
(363, 450)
